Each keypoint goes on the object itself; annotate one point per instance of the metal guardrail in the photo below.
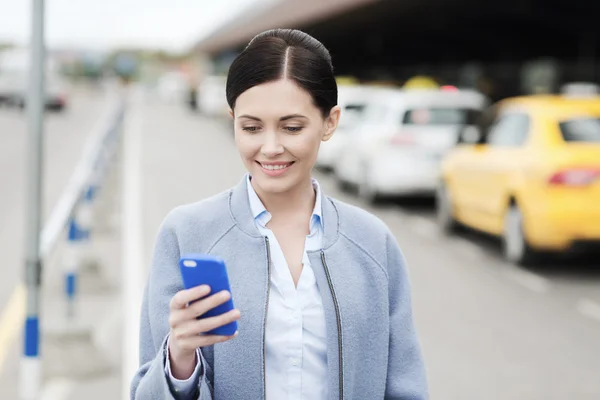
(72, 219)
(86, 179)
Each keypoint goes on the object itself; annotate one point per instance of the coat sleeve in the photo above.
(164, 280)
(406, 376)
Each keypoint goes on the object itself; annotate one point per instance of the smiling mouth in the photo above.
(275, 166)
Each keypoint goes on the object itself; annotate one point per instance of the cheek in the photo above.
(246, 146)
(306, 145)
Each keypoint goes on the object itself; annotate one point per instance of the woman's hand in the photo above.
(187, 332)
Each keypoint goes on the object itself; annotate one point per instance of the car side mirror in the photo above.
(471, 135)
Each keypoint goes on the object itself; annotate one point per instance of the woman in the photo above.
(321, 287)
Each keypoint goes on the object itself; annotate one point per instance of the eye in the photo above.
(250, 128)
(293, 129)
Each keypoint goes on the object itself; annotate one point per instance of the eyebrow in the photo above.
(284, 118)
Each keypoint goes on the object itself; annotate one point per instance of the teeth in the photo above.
(274, 167)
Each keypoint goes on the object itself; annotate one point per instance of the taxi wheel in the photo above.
(445, 219)
(515, 247)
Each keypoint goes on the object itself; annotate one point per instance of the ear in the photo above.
(331, 123)
(231, 113)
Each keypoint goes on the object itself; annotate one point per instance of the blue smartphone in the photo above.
(203, 269)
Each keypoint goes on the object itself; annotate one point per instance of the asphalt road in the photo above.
(65, 138)
(489, 330)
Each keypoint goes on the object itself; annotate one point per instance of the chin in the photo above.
(274, 185)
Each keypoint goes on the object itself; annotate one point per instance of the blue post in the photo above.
(32, 335)
(90, 194)
(77, 240)
(72, 261)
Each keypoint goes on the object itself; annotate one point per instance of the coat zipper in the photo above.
(265, 316)
(339, 326)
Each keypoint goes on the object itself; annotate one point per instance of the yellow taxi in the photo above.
(528, 173)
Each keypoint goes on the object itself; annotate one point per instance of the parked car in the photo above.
(8, 87)
(528, 173)
(353, 101)
(56, 93)
(398, 149)
(14, 80)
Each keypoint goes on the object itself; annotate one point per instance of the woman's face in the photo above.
(278, 131)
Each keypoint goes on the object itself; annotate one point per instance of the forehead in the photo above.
(276, 98)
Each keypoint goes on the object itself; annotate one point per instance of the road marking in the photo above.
(527, 279)
(58, 389)
(11, 322)
(589, 308)
(133, 269)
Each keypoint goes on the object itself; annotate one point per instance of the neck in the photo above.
(301, 199)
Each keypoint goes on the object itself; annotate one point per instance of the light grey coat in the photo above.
(372, 348)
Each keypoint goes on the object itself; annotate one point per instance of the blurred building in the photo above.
(501, 48)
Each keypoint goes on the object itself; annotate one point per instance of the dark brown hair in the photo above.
(285, 53)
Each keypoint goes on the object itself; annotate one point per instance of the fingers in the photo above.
(184, 297)
(187, 331)
(197, 327)
(179, 316)
(200, 308)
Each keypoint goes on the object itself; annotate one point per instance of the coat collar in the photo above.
(239, 207)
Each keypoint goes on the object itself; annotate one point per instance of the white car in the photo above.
(398, 149)
(15, 91)
(352, 100)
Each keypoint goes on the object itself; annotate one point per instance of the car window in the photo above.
(354, 108)
(351, 115)
(440, 116)
(581, 130)
(510, 130)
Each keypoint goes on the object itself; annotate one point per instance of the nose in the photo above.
(272, 146)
